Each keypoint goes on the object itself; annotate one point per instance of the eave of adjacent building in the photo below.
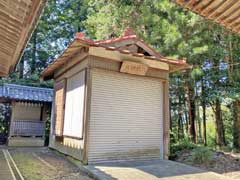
(18, 19)
(223, 12)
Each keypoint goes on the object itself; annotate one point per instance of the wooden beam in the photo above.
(4, 54)
(9, 36)
(234, 11)
(9, 42)
(215, 10)
(187, 3)
(3, 69)
(207, 7)
(237, 21)
(13, 32)
(225, 10)
(117, 56)
(11, 18)
(231, 19)
(200, 4)
(236, 28)
(193, 4)
(6, 51)
(182, 2)
(9, 23)
(15, 8)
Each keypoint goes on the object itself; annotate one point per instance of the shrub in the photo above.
(201, 155)
(184, 144)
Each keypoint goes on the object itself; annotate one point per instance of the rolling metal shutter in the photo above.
(126, 120)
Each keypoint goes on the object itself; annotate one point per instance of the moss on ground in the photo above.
(31, 168)
(35, 164)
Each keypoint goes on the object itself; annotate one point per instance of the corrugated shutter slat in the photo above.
(126, 117)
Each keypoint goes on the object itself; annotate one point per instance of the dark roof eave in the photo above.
(26, 93)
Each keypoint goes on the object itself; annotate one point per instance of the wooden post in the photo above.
(51, 133)
(87, 107)
(12, 103)
(166, 120)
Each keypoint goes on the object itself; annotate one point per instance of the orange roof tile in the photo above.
(129, 34)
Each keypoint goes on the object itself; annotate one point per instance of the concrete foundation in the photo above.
(26, 141)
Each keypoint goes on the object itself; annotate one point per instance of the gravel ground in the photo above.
(45, 164)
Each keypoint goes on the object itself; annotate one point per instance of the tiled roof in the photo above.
(81, 41)
(26, 93)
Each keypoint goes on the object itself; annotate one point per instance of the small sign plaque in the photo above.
(134, 68)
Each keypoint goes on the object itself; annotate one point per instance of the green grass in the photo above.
(31, 168)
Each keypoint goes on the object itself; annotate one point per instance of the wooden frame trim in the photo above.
(65, 58)
(52, 120)
(84, 69)
(166, 120)
(160, 79)
(85, 80)
(108, 69)
(52, 137)
(72, 137)
(95, 57)
(119, 57)
(64, 101)
(87, 114)
(72, 66)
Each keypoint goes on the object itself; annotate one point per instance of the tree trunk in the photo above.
(170, 118)
(21, 67)
(236, 124)
(199, 122)
(197, 106)
(204, 114)
(230, 63)
(204, 124)
(180, 119)
(191, 110)
(180, 136)
(34, 53)
(236, 103)
(220, 135)
(186, 115)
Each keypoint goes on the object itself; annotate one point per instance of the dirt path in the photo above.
(44, 164)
